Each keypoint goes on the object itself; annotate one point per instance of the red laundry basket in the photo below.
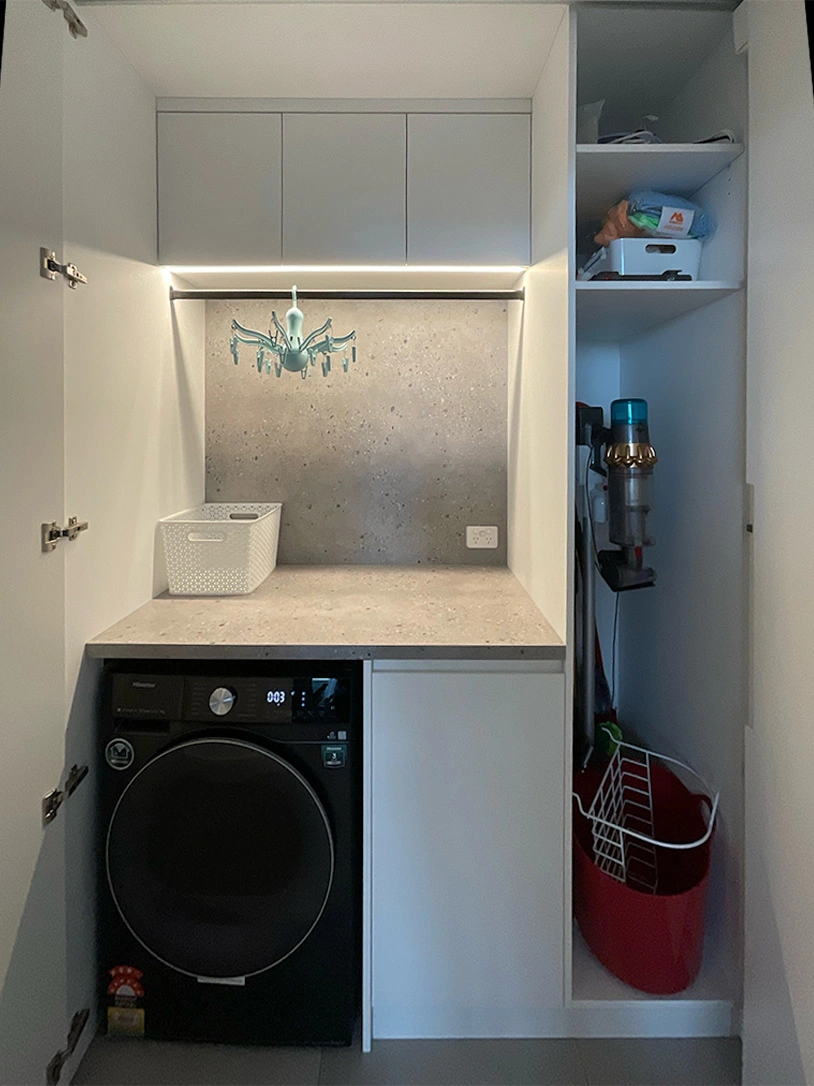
(652, 941)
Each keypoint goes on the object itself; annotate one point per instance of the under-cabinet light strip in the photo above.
(293, 269)
(381, 294)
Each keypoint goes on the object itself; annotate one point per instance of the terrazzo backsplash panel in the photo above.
(387, 463)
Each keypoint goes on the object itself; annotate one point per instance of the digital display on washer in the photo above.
(307, 698)
(279, 698)
(319, 697)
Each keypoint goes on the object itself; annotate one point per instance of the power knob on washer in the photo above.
(222, 700)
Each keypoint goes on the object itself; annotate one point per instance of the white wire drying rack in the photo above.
(621, 817)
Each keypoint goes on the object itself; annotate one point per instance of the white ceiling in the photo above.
(334, 50)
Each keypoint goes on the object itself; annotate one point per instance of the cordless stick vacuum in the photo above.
(628, 465)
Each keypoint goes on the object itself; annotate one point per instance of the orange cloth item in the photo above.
(617, 225)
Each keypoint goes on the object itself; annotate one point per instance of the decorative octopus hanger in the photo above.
(287, 349)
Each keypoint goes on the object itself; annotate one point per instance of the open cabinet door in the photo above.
(33, 1019)
(542, 338)
(779, 1011)
(541, 348)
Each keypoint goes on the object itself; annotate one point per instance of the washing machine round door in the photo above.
(220, 857)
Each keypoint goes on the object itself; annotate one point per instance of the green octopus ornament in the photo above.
(285, 348)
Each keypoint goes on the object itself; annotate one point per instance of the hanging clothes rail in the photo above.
(353, 295)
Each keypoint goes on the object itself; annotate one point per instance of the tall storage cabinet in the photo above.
(680, 653)
(680, 649)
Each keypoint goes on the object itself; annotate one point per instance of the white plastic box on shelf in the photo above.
(646, 256)
(221, 548)
(653, 256)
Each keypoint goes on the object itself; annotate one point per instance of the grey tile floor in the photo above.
(595, 1062)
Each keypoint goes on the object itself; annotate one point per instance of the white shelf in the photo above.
(609, 312)
(607, 173)
(706, 1008)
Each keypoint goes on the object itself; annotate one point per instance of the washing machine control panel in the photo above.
(294, 700)
(147, 697)
(283, 699)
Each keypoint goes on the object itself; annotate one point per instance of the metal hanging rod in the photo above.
(353, 295)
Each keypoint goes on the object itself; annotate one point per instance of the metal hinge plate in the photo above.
(54, 1069)
(52, 533)
(75, 24)
(50, 268)
(54, 800)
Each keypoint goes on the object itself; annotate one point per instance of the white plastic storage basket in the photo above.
(653, 256)
(221, 548)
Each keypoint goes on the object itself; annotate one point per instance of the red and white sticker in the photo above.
(125, 984)
(676, 221)
(125, 1018)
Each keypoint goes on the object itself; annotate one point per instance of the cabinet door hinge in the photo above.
(50, 268)
(52, 533)
(54, 800)
(740, 27)
(75, 24)
(57, 1062)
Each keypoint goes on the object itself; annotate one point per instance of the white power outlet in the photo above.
(481, 537)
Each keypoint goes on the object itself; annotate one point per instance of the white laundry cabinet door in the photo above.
(344, 182)
(468, 188)
(778, 1024)
(34, 1018)
(219, 182)
(467, 854)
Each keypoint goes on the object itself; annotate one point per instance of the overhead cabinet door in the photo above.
(468, 188)
(344, 188)
(219, 188)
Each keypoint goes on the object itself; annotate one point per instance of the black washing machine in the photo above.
(230, 867)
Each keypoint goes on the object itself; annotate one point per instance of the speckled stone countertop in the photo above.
(345, 612)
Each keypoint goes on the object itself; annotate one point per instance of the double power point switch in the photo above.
(480, 537)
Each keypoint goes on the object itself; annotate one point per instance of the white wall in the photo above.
(541, 338)
(713, 98)
(597, 384)
(653, 47)
(133, 404)
(682, 643)
(779, 1013)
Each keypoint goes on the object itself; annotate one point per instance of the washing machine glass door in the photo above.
(220, 857)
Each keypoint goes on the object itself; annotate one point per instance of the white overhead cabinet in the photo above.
(344, 188)
(468, 188)
(219, 182)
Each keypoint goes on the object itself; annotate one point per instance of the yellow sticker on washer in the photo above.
(125, 1021)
